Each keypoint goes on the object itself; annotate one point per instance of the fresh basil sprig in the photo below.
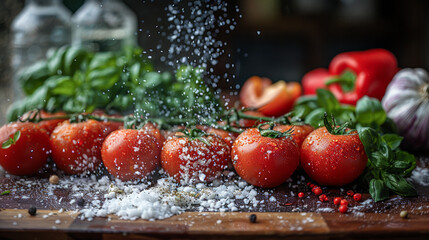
(367, 113)
(74, 80)
(388, 165)
(312, 109)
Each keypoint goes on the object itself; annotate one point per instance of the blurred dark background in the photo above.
(279, 39)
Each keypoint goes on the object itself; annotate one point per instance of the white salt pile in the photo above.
(167, 198)
(420, 176)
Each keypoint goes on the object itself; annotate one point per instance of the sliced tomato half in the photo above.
(270, 99)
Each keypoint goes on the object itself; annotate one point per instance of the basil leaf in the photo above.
(63, 86)
(135, 71)
(401, 165)
(399, 185)
(56, 61)
(121, 102)
(306, 100)
(102, 60)
(370, 111)
(33, 77)
(403, 156)
(152, 80)
(315, 118)
(184, 73)
(378, 190)
(74, 58)
(304, 105)
(379, 160)
(327, 100)
(103, 79)
(370, 139)
(344, 116)
(392, 140)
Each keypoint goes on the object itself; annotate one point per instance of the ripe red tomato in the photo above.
(76, 147)
(192, 160)
(264, 161)
(228, 137)
(299, 131)
(270, 99)
(333, 160)
(109, 126)
(28, 152)
(48, 125)
(151, 128)
(130, 154)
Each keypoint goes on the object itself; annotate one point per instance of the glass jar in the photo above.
(40, 26)
(104, 25)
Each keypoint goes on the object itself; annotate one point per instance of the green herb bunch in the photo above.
(75, 80)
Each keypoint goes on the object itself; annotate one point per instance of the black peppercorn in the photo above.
(32, 211)
(81, 202)
(252, 218)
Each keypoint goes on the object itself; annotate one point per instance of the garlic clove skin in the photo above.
(406, 102)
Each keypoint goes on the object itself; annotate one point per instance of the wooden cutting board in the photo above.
(287, 217)
(18, 224)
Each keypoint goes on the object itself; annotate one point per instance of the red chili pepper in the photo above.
(353, 75)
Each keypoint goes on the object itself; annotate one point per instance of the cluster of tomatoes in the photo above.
(263, 156)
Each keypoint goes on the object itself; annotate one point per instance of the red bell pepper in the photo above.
(354, 75)
(315, 79)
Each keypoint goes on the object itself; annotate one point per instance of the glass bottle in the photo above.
(104, 25)
(40, 26)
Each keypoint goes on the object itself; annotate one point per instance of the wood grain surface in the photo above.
(17, 224)
(288, 217)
